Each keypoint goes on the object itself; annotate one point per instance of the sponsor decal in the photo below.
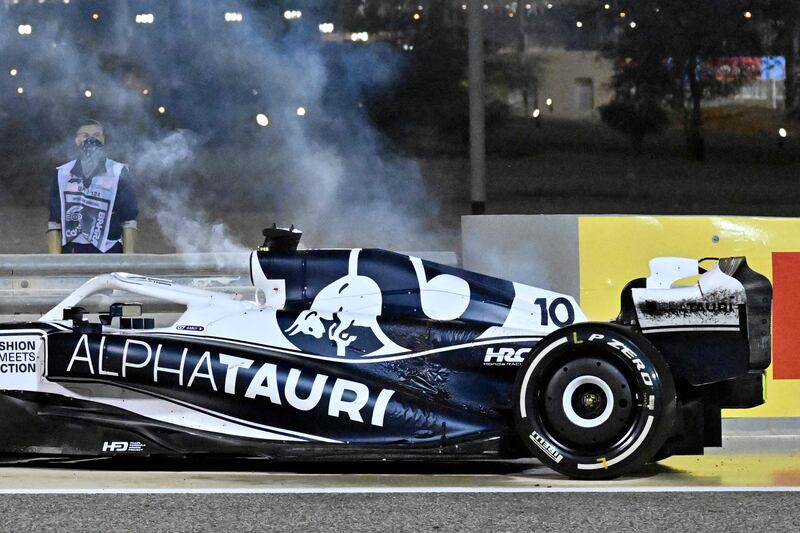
(123, 446)
(18, 361)
(190, 328)
(505, 356)
(545, 446)
(722, 306)
(209, 372)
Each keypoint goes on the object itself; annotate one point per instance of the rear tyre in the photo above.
(594, 401)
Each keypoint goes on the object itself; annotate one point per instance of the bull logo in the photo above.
(350, 301)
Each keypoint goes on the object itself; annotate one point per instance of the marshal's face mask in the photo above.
(90, 146)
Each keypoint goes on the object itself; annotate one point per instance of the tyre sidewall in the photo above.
(644, 368)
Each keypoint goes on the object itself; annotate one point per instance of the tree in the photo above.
(678, 54)
(431, 88)
(514, 72)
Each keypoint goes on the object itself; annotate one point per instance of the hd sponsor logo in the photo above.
(123, 446)
(505, 356)
(210, 372)
(18, 361)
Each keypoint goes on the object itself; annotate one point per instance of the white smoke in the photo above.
(328, 172)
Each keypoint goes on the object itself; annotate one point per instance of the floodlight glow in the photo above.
(783, 133)
(262, 120)
(24, 29)
(549, 102)
(536, 113)
(145, 18)
(13, 72)
(326, 27)
(233, 16)
(87, 93)
(301, 111)
(95, 16)
(579, 24)
(292, 14)
(162, 110)
(360, 36)
(20, 90)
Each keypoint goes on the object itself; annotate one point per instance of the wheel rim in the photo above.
(587, 401)
(588, 405)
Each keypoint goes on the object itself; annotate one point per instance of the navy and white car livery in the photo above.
(370, 354)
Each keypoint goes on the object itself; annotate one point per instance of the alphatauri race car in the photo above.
(374, 355)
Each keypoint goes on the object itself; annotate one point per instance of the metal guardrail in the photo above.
(33, 284)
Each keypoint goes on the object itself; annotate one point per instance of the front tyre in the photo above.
(594, 401)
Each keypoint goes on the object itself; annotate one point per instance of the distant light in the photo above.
(360, 36)
(301, 111)
(326, 27)
(464, 7)
(622, 14)
(20, 90)
(162, 110)
(548, 102)
(579, 24)
(783, 133)
(66, 1)
(607, 6)
(632, 24)
(536, 113)
(87, 93)
(145, 18)
(416, 16)
(262, 120)
(408, 47)
(95, 16)
(24, 29)
(13, 72)
(485, 7)
(146, 92)
(233, 16)
(549, 6)
(292, 14)
(748, 15)
(528, 7)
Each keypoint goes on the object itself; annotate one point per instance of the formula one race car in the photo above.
(369, 354)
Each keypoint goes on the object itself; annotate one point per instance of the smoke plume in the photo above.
(180, 99)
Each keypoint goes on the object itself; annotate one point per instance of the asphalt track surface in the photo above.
(731, 491)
